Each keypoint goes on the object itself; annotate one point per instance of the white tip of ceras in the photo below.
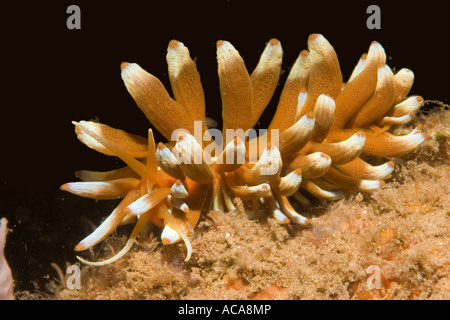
(177, 54)
(270, 162)
(272, 54)
(130, 71)
(119, 255)
(415, 137)
(324, 115)
(135, 79)
(325, 103)
(384, 170)
(252, 192)
(187, 149)
(318, 42)
(280, 216)
(305, 123)
(194, 161)
(389, 121)
(168, 162)
(359, 67)
(225, 51)
(384, 73)
(177, 203)
(289, 184)
(297, 136)
(275, 209)
(101, 189)
(406, 143)
(147, 201)
(318, 165)
(293, 178)
(290, 213)
(405, 77)
(405, 73)
(376, 53)
(232, 157)
(300, 103)
(330, 195)
(357, 140)
(350, 148)
(246, 192)
(319, 159)
(300, 69)
(404, 80)
(169, 236)
(363, 170)
(178, 190)
(139, 206)
(409, 105)
(370, 185)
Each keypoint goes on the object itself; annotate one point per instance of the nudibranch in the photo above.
(318, 142)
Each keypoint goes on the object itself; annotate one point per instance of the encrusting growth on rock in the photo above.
(6, 280)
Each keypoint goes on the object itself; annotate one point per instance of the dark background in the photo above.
(52, 75)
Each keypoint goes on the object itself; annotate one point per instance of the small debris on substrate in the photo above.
(402, 229)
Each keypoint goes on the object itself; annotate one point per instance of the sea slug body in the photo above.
(318, 142)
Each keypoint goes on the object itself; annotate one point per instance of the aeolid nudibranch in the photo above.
(324, 129)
